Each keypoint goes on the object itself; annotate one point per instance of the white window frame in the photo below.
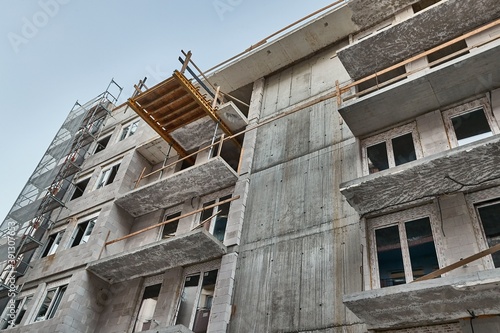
(387, 137)
(129, 130)
(148, 282)
(55, 244)
(399, 219)
(201, 272)
(104, 175)
(464, 109)
(91, 222)
(6, 317)
(213, 211)
(54, 304)
(165, 218)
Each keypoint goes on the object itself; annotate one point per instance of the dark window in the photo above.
(216, 225)
(421, 247)
(107, 176)
(391, 75)
(403, 148)
(102, 144)
(377, 157)
(490, 219)
(52, 244)
(80, 188)
(170, 229)
(471, 126)
(422, 4)
(390, 257)
(82, 232)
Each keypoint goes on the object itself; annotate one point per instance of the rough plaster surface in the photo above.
(423, 31)
(192, 182)
(426, 177)
(427, 302)
(194, 247)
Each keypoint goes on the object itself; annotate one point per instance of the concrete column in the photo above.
(220, 313)
(432, 132)
(168, 298)
(495, 105)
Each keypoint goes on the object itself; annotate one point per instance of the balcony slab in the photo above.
(474, 165)
(194, 181)
(194, 247)
(428, 302)
(465, 77)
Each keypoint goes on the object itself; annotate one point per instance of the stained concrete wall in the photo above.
(300, 244)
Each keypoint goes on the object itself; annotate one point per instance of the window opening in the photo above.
(52, 243)
(80, 188)
(147, 308)
(405, 252)
(107, 176)
(490, 220)
(217, 225)
(129, 130)
(170, 229)
(383, 78)
(377, 157)
(196, 301)
(82, 232)
(422, 4)
(447, 51)
(404, 149)
(51, 303)
(471, 126)
(102, 144)
(21, 305)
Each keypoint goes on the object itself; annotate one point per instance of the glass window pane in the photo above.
(45, 305)
(390, 258)
(471, 126)
(421, 247)
(57, 301)
(188, 299)
(377, 157)
(403, 148)
(490, 218)
(22, 310)
(205, 302)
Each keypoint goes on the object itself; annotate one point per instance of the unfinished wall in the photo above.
(300, 244)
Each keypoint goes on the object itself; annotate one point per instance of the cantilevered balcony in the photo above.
(194, 247)
(424, 90)
(197, 180)
(427, 302)
(424, 178)
(416, 34)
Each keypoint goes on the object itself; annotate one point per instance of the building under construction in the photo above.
(340, 177)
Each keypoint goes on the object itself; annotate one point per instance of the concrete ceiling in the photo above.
(194, 181)
(427, 177)
(433, 89)
(194, 247)
(315, 35)
(421, 32)
(427, 302)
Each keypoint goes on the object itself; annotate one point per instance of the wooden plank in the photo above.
(171, 220)
(460, 263)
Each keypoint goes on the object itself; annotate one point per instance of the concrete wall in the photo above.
(299, 248)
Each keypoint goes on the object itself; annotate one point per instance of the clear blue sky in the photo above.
(55, 52)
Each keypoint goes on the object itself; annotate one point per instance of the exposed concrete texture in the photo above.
(422, 303)
(435, 88)
(327, 29)
(194, 247)
(171, 329)
(432, 133)
(423, 31)
(426, 177)
(192, 182)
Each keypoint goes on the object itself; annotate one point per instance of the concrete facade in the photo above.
(303, 244)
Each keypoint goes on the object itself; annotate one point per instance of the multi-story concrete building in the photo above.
(343, 177)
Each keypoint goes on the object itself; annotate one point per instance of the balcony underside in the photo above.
(194, 181)
(474, 165)
(434, 301)
(195, 247)
(438, 87)
(450, 18)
